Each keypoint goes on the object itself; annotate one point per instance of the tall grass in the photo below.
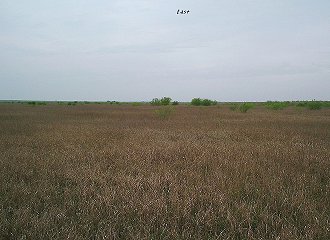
(242, 107)
(103, 172)
(164, 112)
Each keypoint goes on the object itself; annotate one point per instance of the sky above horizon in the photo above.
(136, 50)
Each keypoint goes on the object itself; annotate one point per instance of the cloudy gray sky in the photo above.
(134, 50)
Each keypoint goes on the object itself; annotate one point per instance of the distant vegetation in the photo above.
(113, 102)
(242, 107)
(161, 102)
(164, 112)
(276, 105)
(164, 101)
(314, 105)
(135, 104)
(41, 103)
(36, 103)
(202, 102)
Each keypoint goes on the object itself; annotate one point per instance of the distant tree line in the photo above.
(195, 101)
(202, 102)
(161, 102)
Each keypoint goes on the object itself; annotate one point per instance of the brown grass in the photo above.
(121, 172)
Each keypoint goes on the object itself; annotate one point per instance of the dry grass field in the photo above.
(122, 172)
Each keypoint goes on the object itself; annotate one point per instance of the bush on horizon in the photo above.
(314, 105)
(163, 101)
(276, 105)
(245, 107)
(202, 102)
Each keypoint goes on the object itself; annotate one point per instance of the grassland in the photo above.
(100, 171)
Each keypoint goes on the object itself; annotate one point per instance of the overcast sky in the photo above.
(135, 50)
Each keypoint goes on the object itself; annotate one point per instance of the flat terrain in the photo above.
(122, 172)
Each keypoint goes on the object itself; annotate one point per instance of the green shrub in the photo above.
(196, 101)
(277, 105)
(245, 107)
(208, 102)
(164, 112)
(32, 103)
(41, 103)
(314, 105)
(301, 104)
(325, 104)
(175, 103)
(163, 101)
(113, 102)
(202, 102)
(155, 102)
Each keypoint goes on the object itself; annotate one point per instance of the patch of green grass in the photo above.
(276, 105)
(314, 105)
(326, 104)
(136, 104)
(244, 107)
(301, 104)
(233, 107)
(164, 112)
